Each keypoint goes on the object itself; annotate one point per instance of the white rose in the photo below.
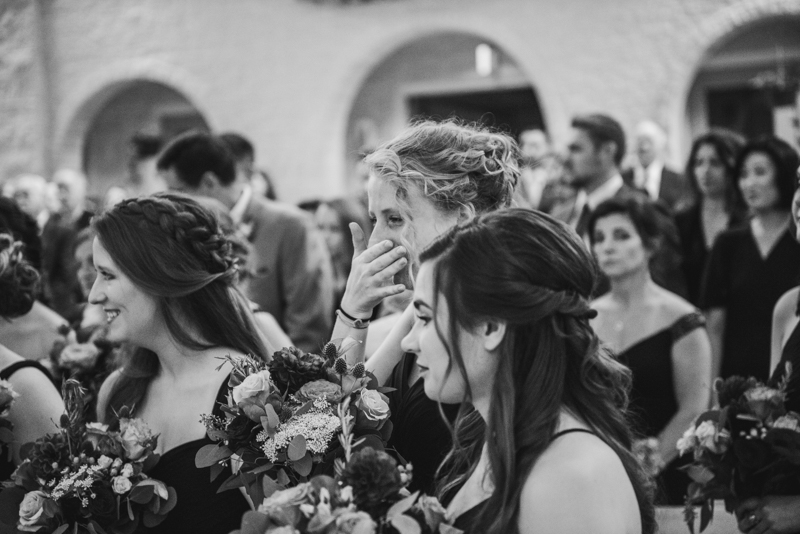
(707, 436)
(373, 405)
(687, 442)
(251, 386)
(31, 510)
(121, 485)
(127, 470)
(104, 462)
(133, 435)
(788, 422)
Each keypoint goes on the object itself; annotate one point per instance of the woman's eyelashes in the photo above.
(424, 319)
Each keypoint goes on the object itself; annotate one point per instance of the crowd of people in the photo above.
(544, 320)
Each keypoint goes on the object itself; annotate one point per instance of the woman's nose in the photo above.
(96, 295)
(410, 342)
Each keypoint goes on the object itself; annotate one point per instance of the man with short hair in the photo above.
(29, 191)
(291, 275)
(651, 173)
(245, 155)
(594, 152)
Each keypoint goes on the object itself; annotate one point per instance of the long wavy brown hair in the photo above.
(535, 274)
(172, 248)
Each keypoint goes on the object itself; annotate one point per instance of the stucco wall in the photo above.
(286, 72)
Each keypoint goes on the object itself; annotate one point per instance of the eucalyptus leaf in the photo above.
(405, 524)
(297, 448)
(211, 454)
(402, 505)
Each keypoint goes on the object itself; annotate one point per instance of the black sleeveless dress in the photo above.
(790, 354)
(419, 435)
(653, 402)
(11, 498)
(6, 462)
(200, 508)
(466, 521)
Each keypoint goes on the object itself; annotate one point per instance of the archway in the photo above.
(748, 81)
(447, 74)
(139, 106)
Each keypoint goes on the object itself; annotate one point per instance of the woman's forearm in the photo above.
(390, 353)
(668, 439)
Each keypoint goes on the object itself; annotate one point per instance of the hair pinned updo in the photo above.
(453, 164)
(18, 279)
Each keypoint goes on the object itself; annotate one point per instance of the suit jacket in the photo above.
(291, 273)
(62, 291)
(675, 190)
(665, 266)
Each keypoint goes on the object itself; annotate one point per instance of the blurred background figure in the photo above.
(534, 148)
(245, 155)
(32, 334)
(656, 333)
(59, 270)
(333, 218)
(650, 172)
(39, 404)
(143, 177)
(752, 266)
(290, 271)
(29, 191)
(717, 206)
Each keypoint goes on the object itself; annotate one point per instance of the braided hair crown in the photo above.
(189, 231)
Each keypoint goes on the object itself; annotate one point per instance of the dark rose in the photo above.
(239, 430)
(375, 480)
(104, 505)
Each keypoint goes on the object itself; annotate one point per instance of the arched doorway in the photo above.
(748, 81)
(139, 106)
(440, 76)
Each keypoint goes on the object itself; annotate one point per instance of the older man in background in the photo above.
(651, 174)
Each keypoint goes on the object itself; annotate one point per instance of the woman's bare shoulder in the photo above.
(578, 485)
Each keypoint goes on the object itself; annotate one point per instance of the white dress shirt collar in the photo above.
(238, 209)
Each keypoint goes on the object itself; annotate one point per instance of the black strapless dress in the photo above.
(419, 435)
(200, 508)
(653, 402)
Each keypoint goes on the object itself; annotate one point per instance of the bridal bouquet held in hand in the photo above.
(748, 447)
(91, 478)
(281, 421)
(367, 496)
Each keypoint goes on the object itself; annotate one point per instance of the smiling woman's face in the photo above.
(433, 357)
(131, 314)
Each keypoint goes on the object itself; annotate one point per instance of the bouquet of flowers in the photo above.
(90, 477)
(748, 447)
(281, 420)
(7, 397)
(86, 357)
(368, 496)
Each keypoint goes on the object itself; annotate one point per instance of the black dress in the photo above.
(6, 462)
(11, 498)
(419, 435)
(693, 246)
(747, 287)
(790, 354)
(200, 508)
(653, 401)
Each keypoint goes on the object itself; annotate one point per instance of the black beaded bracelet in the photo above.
(358, 324)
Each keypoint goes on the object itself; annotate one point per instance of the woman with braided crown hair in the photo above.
(426, 180)
(166, 280)
(502, 324)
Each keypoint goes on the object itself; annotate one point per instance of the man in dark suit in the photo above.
(651, 173)
(595, 150)
(290, 271)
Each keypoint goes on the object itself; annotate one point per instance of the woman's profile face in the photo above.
(618, 246)
(710, 172)
(131, 314)
(432, 355)
(757, 180)
(420, 226)
(86, 272)
(328, 224)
